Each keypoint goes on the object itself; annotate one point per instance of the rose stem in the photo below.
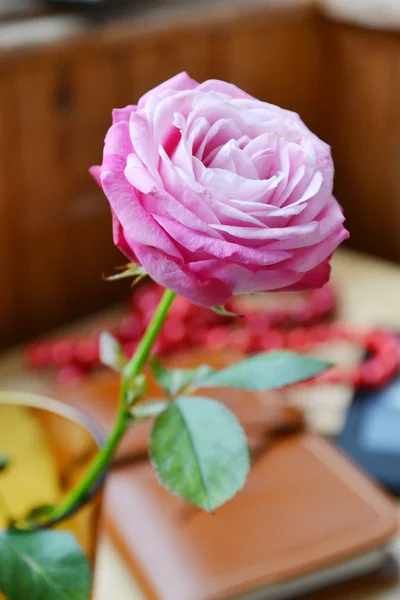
(124, 418)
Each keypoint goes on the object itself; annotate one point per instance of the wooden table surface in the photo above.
(369, 293)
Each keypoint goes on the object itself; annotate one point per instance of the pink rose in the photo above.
(216, 193)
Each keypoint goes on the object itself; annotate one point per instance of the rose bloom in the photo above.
(216, 193)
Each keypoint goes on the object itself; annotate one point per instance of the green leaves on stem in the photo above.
(262, 372)
(137, 272)
(147, 410)
(112, 356)
(111, 353)
(197, 446)
(173, 381)
(199, 451)
(132, 375)
(223, 312)
(267, 371)
(43, 565)
(39, 514)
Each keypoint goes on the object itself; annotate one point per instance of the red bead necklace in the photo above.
(259, 330)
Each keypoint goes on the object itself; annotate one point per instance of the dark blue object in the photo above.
(371, 434)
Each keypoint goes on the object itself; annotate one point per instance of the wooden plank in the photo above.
(12, 316)
(360, 72)
(153, 59)
(95, 81)
(393, 157)
(44, 239)
(278, 62)
(6, 244)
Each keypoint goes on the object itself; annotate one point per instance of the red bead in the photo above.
(319, 333)
(70, 375)
(146, 298)
(196, 336)
(39, 355)
(299, 339)
(173, 331)
(161, 348)
(130, 328)
(146, 317)
(181, 308)
(377, 371)
(241, 339)
(217, 338)
(305, 315)
(129, 348)
(87, 351)
(257, 322)
(272, 340)
(323, 302)
(278, 317)
(62, 352)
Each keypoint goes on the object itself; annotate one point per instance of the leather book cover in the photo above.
(304, 508)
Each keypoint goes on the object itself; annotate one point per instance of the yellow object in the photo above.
(31, 478)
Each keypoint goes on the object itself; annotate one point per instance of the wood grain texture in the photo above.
(280, 64)
(361, 97)
(60, 216)
(9, 243)
(153, 59)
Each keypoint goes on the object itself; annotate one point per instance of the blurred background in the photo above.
(65, 65)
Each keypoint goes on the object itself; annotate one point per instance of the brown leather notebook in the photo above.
(306, 517)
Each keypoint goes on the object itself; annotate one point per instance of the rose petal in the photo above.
(198, 243)
(330, 220)
(231, 157)
(117, 146)
(222, 87)
(311, 257)
(182, 186)
(139, 177)
(134, 219)
(311, 280)
(182, 280)
(266, 233)
(221, 132)
(245, 280)
(143, 144)
(233, 185)
(119, 238)
(123, 114)
(95, 172)
(179, 82)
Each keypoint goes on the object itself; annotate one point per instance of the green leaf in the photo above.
(147, 410)
(111, 353)
(4, 462)
(267, 371)
(199, 451)
(43, 565)
(39, 514)
(221, 310)
(174, 381)
(129, 270)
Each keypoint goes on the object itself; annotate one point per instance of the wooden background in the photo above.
(55, 105)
